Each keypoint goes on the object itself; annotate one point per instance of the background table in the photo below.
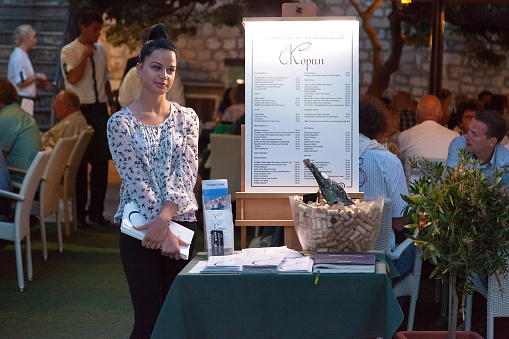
(279, 305)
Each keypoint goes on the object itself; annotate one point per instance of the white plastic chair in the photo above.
(497, 304)
(409, 285)
(50, 190)
(19, 229)
(69, 184)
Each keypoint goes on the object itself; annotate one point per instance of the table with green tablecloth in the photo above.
(280, 305)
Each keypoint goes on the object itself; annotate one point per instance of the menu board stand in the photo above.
(267, 209)
(271, 208)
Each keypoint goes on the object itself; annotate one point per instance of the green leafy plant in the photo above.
(461, 220)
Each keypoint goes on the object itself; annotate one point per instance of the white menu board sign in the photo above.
(302, 93)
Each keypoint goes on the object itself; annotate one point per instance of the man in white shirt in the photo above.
(428, 138)
(84, 65)
(382, 173)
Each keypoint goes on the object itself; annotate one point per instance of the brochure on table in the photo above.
(302, 93)
(218, 217)
(133, 217)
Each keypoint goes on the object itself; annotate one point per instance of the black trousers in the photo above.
(149, 275)
(97, 155)
(97, 184)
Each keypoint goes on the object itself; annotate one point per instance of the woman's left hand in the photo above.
(157, 228)
(171, 246)
(156, 232)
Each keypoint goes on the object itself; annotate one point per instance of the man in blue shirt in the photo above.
(482, 142)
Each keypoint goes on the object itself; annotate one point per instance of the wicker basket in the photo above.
(334, 228)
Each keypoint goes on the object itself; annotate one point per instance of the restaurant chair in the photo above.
(225, 160)
(19, 228)
(68, 188)
(409, 284)
(497, 305)
(50, 190)
(416, 173)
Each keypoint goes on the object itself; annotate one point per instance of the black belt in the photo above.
(23, 97)
(92, 105)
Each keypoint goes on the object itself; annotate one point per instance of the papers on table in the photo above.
(257, 260)
(262, 262)
(224, 264)
(132, 217)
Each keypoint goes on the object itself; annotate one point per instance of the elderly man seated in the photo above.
(72, 122)
(382, 173)
(428, 138)
(482, 142)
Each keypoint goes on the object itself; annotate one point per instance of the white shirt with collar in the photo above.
(70, 57)
(427, 139)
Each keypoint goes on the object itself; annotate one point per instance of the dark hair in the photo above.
(8, 93)
(237, 94)
(158, 39)
(444, 94)
(496, 126)
(90, 17)
(498, 103)
(468, 105)
(484, 93)
(372, 119)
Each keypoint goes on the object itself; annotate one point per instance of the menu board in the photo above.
(302, 93)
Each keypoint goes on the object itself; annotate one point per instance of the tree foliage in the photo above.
(483, 28)
(461, 221)
(180, 16)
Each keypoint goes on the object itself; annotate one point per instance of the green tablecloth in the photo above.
(274, 305)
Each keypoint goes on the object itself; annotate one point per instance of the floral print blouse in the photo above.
(156, 163)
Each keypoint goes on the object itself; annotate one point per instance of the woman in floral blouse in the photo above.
(154, 144)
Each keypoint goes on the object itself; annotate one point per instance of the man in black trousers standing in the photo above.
(84, 66)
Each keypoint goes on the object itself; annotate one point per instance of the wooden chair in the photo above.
(49, 191)
(19, 228)
(409, 284)
(71, 169)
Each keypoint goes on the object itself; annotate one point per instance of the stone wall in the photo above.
(202, 59)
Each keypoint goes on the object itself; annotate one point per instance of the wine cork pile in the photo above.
(334, 228)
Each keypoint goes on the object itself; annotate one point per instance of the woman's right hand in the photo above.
(171, 246)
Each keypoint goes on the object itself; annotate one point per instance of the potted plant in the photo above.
(461, 220)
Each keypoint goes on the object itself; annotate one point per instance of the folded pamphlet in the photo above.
(132, 217)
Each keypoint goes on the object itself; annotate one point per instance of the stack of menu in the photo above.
(224, 264)
(258, 262)
(344, 262)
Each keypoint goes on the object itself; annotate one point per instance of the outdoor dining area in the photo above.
(301, 135)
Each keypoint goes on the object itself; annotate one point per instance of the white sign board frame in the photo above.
(302, 94)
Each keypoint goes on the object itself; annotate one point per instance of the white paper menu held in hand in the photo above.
(132, 217)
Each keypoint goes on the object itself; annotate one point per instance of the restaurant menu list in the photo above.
(301, 101)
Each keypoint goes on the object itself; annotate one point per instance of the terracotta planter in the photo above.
(436, 335)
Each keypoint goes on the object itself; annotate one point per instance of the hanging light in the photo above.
(406, 1)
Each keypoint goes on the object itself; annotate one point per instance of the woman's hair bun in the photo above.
(158, 31)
